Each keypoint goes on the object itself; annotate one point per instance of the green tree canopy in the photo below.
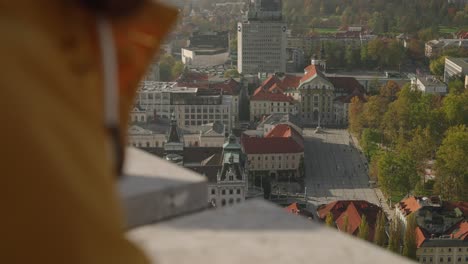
(452, 165)
(231, 73)
(380, 237)
(363, 228)
(329, 220)
(409, 243)
(394, 241)
(437, 66)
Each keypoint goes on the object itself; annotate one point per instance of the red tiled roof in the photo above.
(354, 210)
(276, 145)
(311, 71)
(230, 87)
(293, 208)
(409, 205)
(420, 236)
(463, 206)
(354, 219)
(285, 131)
(261, 95)
(290, 81)
(460, 230)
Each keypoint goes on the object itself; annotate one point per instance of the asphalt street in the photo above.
(335, 168)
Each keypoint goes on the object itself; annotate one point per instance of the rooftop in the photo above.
(169, 87)
(164, 205)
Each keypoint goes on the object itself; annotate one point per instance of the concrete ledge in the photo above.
(153, 189)
(254, 232)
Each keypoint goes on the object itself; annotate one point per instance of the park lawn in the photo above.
(447, 30)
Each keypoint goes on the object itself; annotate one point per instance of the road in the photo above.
(335, 169)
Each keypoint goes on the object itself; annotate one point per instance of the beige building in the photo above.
(443, 251)
(154, 135)
(192, 107)
(278, 154)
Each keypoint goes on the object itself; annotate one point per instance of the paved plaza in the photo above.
(335, 168)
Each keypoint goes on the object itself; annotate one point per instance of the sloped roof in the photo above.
(354, 209)
(261, 95)
(420, 236)
(255, 145)
(354, 219)
(229, 87)
(347, 84)
(311, 71)
(286, 131)
(463, 206)
(292, 208)
(409, 205)
(460, 230)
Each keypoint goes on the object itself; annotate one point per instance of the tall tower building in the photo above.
(261, 38)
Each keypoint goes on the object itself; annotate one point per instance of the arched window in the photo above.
(141, 118)
(238, 200)
(231, 201)
(223, 202)
(147, 144)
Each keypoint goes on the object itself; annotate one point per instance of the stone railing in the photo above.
(165, 205)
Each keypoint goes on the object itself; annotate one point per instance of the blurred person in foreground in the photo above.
(69, 70)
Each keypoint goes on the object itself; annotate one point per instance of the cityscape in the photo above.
(234, 131)
(262, 109)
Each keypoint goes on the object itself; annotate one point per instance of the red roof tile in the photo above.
(256, 145)
(293, 208)
(409, 205)
(290, 81)
(311, 71)
(230, 87)
(354, 210)
(463, 206)
(354, 219)
(460, 230)
(420, 237)
(261, 95)
(285, 131)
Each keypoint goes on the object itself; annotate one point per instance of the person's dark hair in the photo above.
(113, 8)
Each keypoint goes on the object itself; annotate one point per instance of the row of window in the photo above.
(265, 157)
(443, 250)
(441, 259)
(231, 201)
(253, 167)
(223, 191)
(204, 110)
(217, 116)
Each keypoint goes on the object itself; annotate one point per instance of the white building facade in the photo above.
(161, 99)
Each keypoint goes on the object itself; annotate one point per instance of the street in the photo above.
(335, 169)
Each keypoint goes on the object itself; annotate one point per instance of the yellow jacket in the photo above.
(57, 197)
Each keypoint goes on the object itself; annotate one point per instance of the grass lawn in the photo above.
(447, 30)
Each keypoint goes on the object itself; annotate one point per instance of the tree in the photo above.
(409, 243)
(456, 86)
(329, 220)
(363, 228)
(177, 69)
(394, 240)
(345, 224)
(397, 173)
(369, 139)
(380, 236)
(355, 115)
(455, 107)
(437, 66)
(452, 165)
(373, 110)
(231, 73)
